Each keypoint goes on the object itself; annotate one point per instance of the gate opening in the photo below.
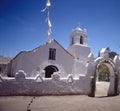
(102, 81)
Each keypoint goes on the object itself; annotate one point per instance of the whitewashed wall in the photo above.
(29, 61)
(20, 85)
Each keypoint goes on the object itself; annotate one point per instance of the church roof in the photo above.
(78, 28)
(41, 46)
(49, 42)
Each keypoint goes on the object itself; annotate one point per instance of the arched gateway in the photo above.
(49, 70)
(105, 79)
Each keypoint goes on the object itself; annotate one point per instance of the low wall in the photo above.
(44, 86)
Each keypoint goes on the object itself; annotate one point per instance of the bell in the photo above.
(48, 3)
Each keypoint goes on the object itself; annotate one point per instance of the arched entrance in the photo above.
(105, 80)
(103, 72)
(49, 70)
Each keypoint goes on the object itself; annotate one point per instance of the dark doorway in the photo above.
(49, 70)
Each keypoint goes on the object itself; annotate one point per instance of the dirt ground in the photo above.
(59, 103)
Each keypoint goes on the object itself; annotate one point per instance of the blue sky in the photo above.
(23, 27)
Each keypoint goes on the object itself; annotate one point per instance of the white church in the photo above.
(52, 57)
(71, 70)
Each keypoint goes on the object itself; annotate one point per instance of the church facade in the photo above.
(52, 57)
(50, 69)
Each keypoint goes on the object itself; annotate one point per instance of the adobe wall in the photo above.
(20, 85)
(39, 58)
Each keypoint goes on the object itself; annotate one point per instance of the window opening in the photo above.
(52, 54)
(81, 39)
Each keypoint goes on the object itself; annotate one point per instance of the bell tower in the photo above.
(78, 44)
(78, 36)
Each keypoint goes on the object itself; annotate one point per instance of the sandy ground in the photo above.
(60, 103)
(102, 88)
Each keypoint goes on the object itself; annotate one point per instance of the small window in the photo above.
(81, 39)
(52, 54)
